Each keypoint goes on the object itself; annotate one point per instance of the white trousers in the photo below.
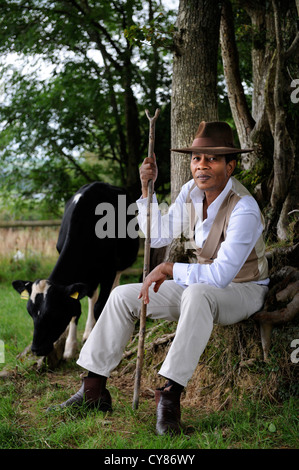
(195, 308)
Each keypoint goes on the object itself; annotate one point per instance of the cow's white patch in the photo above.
(76, 198)
(40, 287)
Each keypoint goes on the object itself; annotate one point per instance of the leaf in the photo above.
(272, 427)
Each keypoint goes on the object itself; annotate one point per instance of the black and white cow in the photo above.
(98, 239)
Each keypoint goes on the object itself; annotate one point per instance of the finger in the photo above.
(144, 297)
(140, 294)
(158, 285)
(149, 162)
(144, 294)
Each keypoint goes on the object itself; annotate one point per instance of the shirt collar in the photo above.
(197, 195)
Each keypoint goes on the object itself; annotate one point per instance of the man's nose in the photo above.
(203, 163)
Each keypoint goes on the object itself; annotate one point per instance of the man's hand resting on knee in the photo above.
(156, 276)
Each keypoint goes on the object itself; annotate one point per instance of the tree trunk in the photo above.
(133, 138)
(194, 95)
(194, 89)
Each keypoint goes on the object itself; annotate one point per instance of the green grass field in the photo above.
(252, 423)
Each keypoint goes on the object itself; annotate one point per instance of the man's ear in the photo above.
(77, 291)
(23, 287)
(230, 166)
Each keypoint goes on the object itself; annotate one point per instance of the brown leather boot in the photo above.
(93, 393)
(168, 411)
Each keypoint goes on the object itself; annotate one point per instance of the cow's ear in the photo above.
(77, 291)
(23, 287)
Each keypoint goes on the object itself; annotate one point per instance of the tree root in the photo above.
(281, 305)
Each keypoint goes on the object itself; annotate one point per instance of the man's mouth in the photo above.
(203, 178)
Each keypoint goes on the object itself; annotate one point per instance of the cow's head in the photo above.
(51, 307)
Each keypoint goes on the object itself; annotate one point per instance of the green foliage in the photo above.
(30, 268)
(158, 31)
(71, 81)
(250, 178)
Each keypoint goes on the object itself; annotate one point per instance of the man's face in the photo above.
(211, 172)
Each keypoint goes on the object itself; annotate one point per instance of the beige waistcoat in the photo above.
(255, 267)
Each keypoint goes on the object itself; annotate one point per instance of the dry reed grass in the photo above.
(30, 241)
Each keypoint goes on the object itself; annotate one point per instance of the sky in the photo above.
(171, 3)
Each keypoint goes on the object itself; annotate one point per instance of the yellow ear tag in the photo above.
(25, 295)
(75, 295)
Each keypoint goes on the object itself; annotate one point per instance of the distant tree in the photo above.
(86, 118)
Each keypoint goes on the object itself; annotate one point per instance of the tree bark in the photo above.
(284, 150)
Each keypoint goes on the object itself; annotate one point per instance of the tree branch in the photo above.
(230, 57)
(96, 25)
(71, 159)
(293, 50)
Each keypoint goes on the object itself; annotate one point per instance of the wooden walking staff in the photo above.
(147, 247)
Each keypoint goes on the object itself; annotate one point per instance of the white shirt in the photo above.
(244, 229)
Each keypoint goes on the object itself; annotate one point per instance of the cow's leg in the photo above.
(116, 280)
(111, 281)
(90, 322)
(71, 345)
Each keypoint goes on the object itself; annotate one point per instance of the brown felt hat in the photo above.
(213, 138)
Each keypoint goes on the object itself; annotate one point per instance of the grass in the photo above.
(26, 425)
(250, 423)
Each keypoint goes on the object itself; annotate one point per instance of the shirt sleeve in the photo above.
(244, 229)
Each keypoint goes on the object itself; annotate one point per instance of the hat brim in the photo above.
(212, 150)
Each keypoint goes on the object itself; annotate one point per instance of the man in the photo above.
(227, 285)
